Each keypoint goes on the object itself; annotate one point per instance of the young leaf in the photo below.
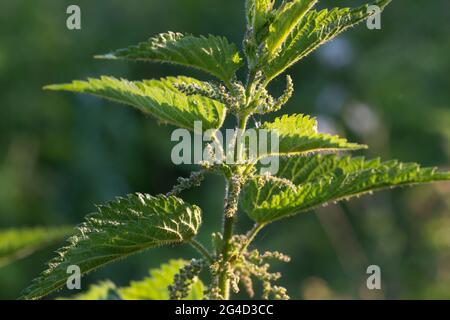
(19, 243)
(212, 54)
(156, 286)
(304, 183)
(286, 18)
(258, 13)
(298, 134)
(315, 29)
(120, 228)
(158, 98)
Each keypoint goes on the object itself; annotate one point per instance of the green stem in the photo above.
(219, 144)
(251, 236)
(229, 86)
(201, 249)
(224, 282)
(242, 125)
(228, 226)
(249, 168)
(232, 194)
(250, 83)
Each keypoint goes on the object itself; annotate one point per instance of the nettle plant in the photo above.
(310, 172)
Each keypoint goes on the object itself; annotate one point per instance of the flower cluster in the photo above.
(266, 103)
(243, 267)
(213, 291)
(254, 264)
(232, 98)
(194, 180)
(185, 278)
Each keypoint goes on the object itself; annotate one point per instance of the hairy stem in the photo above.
(228, 226)
(224, 282)
(242, 125)
(250, 81)
(232, 197)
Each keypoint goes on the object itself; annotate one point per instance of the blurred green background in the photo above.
(390, 88)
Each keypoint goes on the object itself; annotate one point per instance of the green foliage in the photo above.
(19, 243)
(312, 181)
(276, 38)
(313, 30)
(298, 135)
(211, 54)
(285, 19)
(156, 97)
(154, 287)
(258, 14)
(120, 228)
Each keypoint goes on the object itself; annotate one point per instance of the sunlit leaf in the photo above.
(212, 54)
(258, 13)
(155, 287)
(313, 30)
(158, 98)
(119, 229)
(304, 183)
(298, 134)
(285, 20)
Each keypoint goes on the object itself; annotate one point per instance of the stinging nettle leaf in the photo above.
(119, 229)
(212, 54)
(304, 183)
(312, 31)
(158, 98)
(297, 134)
(258, 14)
(156, 286)
(285, 20)
(19, 243)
